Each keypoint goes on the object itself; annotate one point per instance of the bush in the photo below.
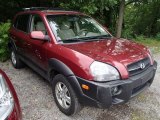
(158, 36)
(140, 38)
(127, 33)
(4, 52)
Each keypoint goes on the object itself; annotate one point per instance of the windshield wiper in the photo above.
(71, 40)
(100, 37)
(85, 39)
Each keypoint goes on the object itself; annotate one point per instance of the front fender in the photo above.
(60, 67)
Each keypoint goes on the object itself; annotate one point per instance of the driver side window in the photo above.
(37, 24)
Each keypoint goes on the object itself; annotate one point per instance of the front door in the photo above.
(38, 47)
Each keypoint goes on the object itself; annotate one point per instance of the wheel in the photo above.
(16, 62)
(65, 96)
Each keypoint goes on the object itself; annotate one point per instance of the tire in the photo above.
(16, 62)
(72, 105)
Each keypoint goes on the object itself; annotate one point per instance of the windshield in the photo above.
(71, 28)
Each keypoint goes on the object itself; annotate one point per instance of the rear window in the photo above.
(21, 22)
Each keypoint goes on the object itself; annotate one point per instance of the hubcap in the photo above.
(13, 58)
(63, 95)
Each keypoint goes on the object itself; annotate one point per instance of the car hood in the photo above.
(111, 50)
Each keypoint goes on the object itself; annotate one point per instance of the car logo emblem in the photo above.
(142, 66)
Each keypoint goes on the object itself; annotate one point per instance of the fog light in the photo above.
(116, 90)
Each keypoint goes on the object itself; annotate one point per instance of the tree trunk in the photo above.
(120, 19)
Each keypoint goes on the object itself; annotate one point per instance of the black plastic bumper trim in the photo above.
(100, 93)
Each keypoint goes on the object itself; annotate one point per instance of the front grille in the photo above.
(136, 68)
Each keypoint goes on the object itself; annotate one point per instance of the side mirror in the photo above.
(38, 35)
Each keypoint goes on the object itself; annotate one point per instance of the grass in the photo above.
(152, 43)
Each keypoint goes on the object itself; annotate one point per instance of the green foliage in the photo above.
(4, 53)
(127, 33)
(87, 6)
(158, 36)
(140, 38)
(151, 43)
(143, 18)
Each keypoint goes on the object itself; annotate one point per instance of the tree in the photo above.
(144, 13)
(142, 18)
(120, 19)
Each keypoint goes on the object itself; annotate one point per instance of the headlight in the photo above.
(6, 99)
(103, 72)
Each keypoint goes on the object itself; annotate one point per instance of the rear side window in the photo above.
(21, 22)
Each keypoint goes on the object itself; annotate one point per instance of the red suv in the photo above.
(81, 59)
(9, 103)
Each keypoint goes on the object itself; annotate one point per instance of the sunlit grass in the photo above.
(152, 43)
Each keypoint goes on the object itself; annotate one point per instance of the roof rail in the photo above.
(34, 8)
(41, 8)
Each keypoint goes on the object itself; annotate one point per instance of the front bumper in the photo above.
(102, 93)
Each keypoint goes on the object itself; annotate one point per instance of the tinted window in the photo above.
(22, 22)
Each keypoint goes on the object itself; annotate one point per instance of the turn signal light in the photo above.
(86, 87)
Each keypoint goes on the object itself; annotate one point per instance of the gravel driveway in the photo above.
(37, 102)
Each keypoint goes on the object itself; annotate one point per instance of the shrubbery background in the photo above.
(4, 52)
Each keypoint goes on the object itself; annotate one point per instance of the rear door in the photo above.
(20, 33)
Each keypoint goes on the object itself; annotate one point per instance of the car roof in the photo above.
(48, 11)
